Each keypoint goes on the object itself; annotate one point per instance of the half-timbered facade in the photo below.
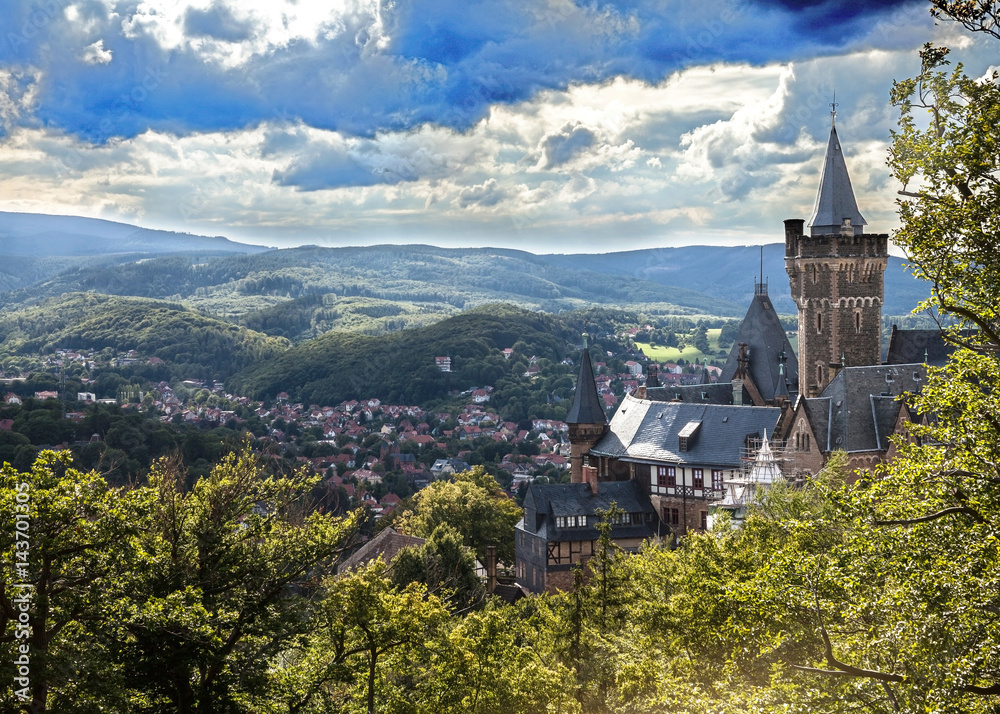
(680, 453)
(559, 529)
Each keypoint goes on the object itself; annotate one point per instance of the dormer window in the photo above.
(687, 435)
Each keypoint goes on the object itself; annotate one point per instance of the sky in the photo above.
(544, 125)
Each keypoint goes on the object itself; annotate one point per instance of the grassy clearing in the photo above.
(690, 353)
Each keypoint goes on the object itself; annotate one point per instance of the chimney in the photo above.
(738, 392)
(491, 568)
(590, 477)
(653, 376)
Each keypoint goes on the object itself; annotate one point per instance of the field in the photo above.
(690, 353)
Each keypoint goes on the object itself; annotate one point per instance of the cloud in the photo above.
(485, 195)
(17, 92)
(561, 147)
(318, 160)
(96, 54)
(364, 67)
(217, 22)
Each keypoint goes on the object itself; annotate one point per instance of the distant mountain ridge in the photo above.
(729, 272)
(41, 235)
(47, 256)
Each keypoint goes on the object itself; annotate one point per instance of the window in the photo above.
(671, 516)
(717, 480)
(819, 322)
(571, 521)
(698, 477)
(857, 321)
(666, 476)
(704, 520)
(819, 374)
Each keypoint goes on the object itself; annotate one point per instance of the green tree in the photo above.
(366, 642)
(473, 504)
(77, 540)
(444, 566)
(224, 586)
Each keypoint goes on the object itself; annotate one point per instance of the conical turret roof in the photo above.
(766, 340)
(835, 198)
(587, 406)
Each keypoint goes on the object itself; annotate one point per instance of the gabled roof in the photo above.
(835, 198)
(587, 405)
(859, 407)
(548, 501)
(643, 430)
(765, 339)
(718, 393)
(911, 346)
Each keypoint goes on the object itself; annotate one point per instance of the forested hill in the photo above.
(728, 273)
(190, 344)
(434, 282)
(400, 368)
(450, 279)
(35, 248)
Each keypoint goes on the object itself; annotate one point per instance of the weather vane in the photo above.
(833, 108)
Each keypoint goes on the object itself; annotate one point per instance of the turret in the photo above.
(586, 419)
(836, 275)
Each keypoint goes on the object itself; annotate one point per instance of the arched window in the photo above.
(857, 320)
(819, 375)
(819, 322)
(815, 273)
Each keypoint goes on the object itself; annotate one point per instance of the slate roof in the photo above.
(587, 405)
(766, 339)
(544, 502)
(835, 198)
(859, 406)
(644, 430)
(718, 393)
(911, 346)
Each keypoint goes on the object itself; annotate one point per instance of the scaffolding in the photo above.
(762, 463)
(779, 456)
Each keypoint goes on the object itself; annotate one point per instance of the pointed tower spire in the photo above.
(836, 209)
(781, 386)
(587, 406)
(586, 418)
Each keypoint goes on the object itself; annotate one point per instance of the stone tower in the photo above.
(836, 275)
(586, 418)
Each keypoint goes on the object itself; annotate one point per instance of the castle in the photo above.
(673, 455)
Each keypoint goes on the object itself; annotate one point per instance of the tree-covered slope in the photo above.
(190, 343)
(313, 315)
(400, 367)
(728, 273)
(450, 279)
